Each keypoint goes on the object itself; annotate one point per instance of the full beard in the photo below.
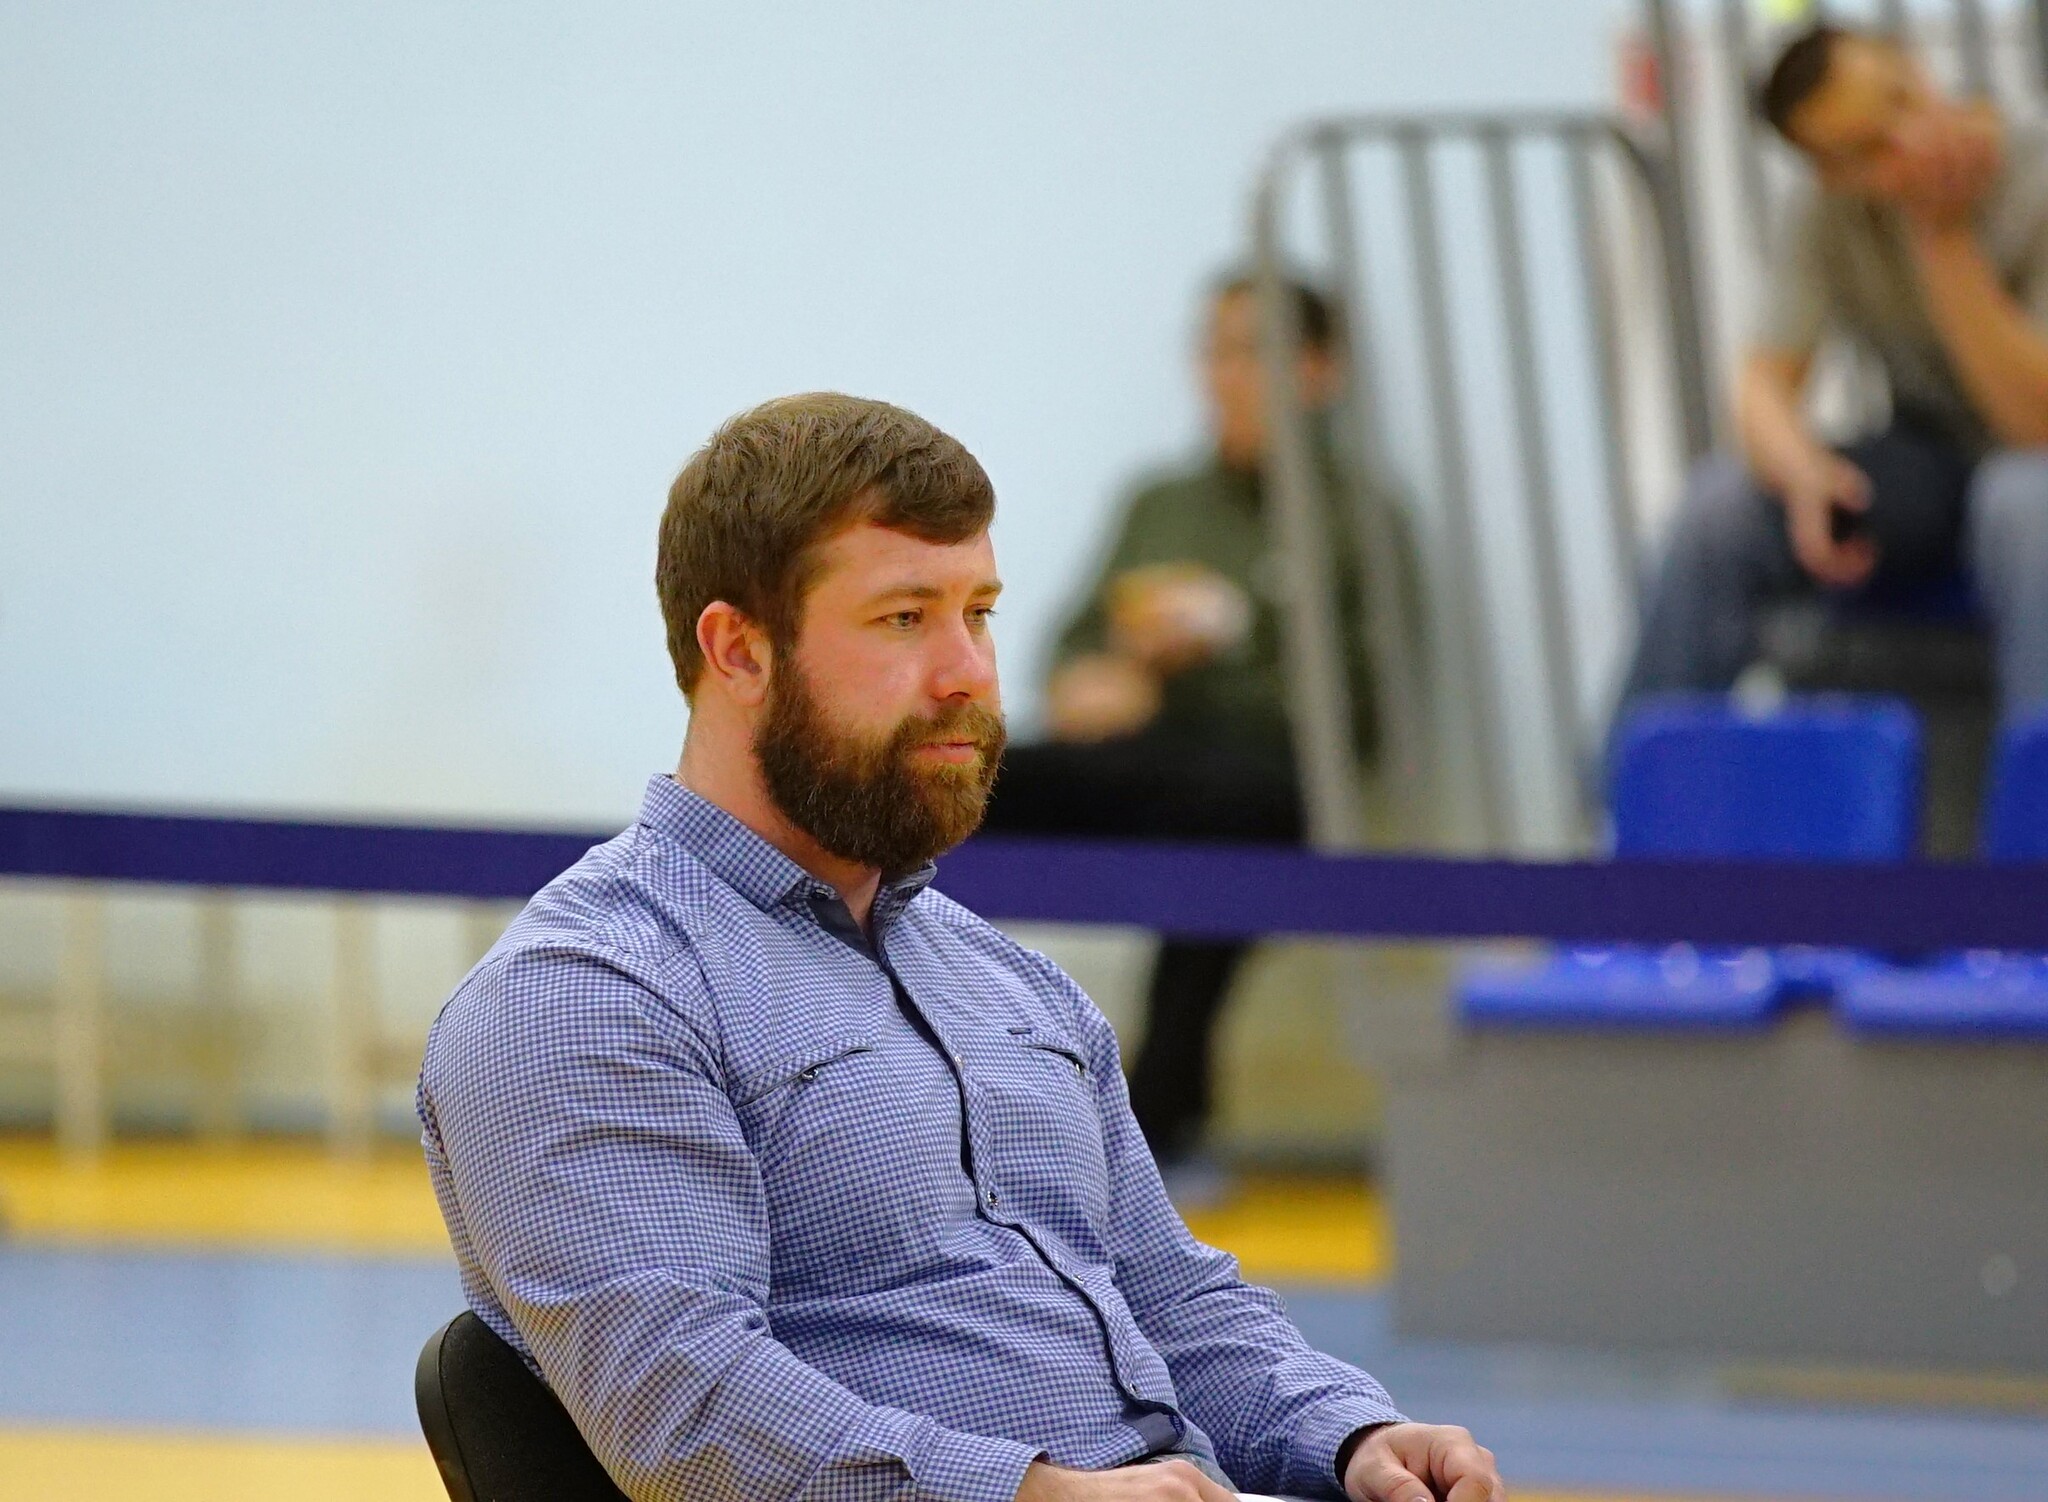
(869, 801)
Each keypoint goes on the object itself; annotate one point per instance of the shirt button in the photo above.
(994, 1198)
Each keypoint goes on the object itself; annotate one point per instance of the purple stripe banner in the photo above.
(1198, 890)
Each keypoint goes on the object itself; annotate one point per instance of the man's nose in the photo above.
(965, 667)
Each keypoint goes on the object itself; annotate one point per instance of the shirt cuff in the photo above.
(957, 1467)
(1312, 1464)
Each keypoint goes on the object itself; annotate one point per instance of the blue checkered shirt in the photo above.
(778, 1214)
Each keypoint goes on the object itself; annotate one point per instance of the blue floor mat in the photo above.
(1571, 1420)
(325, 1345)
(305, 1344)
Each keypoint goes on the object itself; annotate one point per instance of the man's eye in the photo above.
(981, 614)
(903, 620)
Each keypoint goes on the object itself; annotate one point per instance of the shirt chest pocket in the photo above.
(1046, 1121)
(1041, 1048)
(857, 1138)
(800, 1090)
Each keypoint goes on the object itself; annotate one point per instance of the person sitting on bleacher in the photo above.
(1167, 700)
(1920, 234)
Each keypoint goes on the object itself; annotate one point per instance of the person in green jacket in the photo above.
(1167, 698)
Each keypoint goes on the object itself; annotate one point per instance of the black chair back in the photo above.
(496, 1432)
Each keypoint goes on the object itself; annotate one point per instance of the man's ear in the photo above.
(737, 656)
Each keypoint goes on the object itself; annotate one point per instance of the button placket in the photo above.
(971, 1126)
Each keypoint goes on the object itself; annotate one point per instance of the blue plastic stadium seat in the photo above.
(1817, 973)
(1678, 987)
(2016, 823)
(1829, 778)
(1982, 993)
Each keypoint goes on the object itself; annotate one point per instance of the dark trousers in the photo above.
(1730, 554)
(1151, 788)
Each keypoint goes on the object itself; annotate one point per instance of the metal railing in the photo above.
(359, 1056)
(1976, 47)
(1410, 678)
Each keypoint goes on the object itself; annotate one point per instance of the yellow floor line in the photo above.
(1291, 1230)
(77, 1465)
(285, 1196)
(270, 1196)
(91, 1465)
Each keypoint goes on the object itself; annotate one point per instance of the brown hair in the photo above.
(747, 513)
(1315, 314)
(1796, 75)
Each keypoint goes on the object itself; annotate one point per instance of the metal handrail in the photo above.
(1318, 695)
(1661, 165)
(1673, 196)
(1319, 688)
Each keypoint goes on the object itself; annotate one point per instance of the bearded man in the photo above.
(792, 1178)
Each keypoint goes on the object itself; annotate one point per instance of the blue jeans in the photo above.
(1932, 511)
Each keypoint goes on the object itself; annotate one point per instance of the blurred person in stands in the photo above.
(1167, 699)
(1919, 233)
(795, 1179)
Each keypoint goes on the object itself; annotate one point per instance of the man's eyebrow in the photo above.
(930, 591)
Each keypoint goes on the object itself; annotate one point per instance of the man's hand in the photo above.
(1421, 1463)
(1811, 497)
(1164, 1481)
(1174, 616)
(1101, 697)
(1950, 156)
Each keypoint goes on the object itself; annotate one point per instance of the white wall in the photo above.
(346, 352)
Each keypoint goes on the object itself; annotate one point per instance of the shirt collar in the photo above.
(749, 864)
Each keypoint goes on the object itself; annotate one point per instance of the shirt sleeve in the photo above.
(1277, 1409)
(1791, 311)
(619, 1219)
